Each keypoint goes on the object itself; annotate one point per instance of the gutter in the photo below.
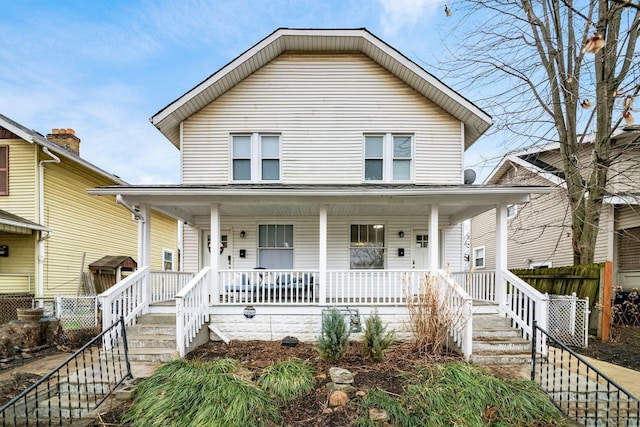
(41, 252)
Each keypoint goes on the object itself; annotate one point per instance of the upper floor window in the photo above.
(388, 157)
(4, 170)
(255, 157)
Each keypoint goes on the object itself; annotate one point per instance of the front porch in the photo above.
(272, 304)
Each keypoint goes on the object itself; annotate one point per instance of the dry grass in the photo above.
(431, 317)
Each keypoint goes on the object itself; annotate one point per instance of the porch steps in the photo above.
(495, 341)
(153, 338)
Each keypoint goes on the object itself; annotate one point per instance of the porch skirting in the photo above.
(272, 323)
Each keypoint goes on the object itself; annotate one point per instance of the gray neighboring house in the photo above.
(539, 231)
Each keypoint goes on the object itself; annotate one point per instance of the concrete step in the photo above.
(490, 321)
(152, 354)
(501, 359)
(498, 333)
(484, 307)
(504, 346)
(151, 329)
(157, 319)
(151, 341)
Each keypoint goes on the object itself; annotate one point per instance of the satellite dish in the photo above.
(469, 176)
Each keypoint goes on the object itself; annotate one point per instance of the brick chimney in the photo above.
(65, 138)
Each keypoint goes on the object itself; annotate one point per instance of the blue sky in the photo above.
(104, 68)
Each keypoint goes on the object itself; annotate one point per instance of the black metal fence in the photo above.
(77, 386)
(578, 389)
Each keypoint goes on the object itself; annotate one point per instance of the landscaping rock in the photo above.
(376, 414)
(347, 388)
(338, 398)
(340, 376)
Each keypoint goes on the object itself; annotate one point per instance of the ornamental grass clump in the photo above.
(376, 339)
(287, 380)
(333, 340)
(431, 317)
(183, 393)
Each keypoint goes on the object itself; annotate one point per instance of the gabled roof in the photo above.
(32, 136)
(168, 120)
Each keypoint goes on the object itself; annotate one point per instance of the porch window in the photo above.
(167, 260)
(255, 157)
(478, 257)
(367, 246)
(388, 157)
(275, 246)
(4, 170)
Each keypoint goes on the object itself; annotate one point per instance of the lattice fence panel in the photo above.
(569, 319)
(77, 312)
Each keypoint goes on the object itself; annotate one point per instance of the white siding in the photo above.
(627, 217)
(452, 244)
(322, 105)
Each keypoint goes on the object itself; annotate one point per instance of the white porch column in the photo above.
(501, 253)
(434, 241)
(322, 256)
(214, 253)
(144, 251)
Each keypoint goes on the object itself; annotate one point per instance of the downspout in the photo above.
(41, 254)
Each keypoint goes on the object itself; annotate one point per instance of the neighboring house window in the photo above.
(537, 265)
(512, 211)
(167, 260)
(275, 246)
(4, 170)
(388, 157)
(478, 257)
(629, 249)
(255, 157)
(367, 247)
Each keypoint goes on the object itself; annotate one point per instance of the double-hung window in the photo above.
(167, 260)
(388, 157)
(367, 246)
(478, 257)
(255, 157)
(4, 170)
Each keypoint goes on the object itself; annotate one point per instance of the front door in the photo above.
(420, 251)
(225, 249)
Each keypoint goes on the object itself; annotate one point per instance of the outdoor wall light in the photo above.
(242, 234)
(401, 234)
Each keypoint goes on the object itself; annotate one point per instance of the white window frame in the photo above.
(388, 157)
(256, 157)
(173, 260)
(286, 246)
(514, 212)
(384, 247)
(534, 265)
(484, 257)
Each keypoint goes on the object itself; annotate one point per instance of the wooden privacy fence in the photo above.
(584, 280)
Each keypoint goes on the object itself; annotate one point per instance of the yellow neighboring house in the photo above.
(50, 228)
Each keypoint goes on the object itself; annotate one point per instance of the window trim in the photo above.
(484, 256)
(388, 157)
(515, 211)
(5, 191)
(168, 251)
(256, 157)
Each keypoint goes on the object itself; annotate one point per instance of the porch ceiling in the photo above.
(458, 202)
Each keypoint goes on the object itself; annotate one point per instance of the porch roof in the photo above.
(458, 202)
(11, 223)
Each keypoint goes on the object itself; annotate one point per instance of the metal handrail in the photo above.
(580, 390)
(76, 386)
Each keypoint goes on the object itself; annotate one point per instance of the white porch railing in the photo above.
(192, 305)
(165, 285)
(379, 287)
(480, 285)
(524, 304)
(126, 298)
(460, 303)
(269, 286)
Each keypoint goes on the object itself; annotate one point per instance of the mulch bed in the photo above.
(623, 349)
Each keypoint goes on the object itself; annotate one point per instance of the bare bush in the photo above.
(431, 317)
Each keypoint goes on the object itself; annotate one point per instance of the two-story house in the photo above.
(50, 228)
(320, 168)
(539, 232)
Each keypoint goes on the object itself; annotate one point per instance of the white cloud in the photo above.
(397, 14)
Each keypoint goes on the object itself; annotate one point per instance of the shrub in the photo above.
(332, 342)
(431, 318)
(376, 338)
